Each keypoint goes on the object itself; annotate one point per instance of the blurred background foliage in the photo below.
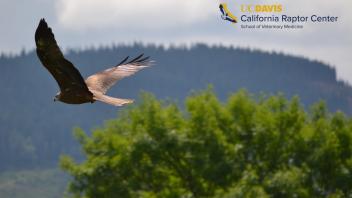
(35, 131)
(248, 146)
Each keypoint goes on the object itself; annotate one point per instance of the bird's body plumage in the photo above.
(73, 88)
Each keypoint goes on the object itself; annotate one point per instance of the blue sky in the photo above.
(85, 23)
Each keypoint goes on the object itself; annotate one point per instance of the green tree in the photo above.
(245, 147)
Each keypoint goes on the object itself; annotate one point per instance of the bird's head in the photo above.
(57, 97)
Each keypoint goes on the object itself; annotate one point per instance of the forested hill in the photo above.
(34, 130)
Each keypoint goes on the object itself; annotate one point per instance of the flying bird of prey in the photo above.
(226, 14)
(73, 88)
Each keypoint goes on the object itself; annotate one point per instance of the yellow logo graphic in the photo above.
(226, 14)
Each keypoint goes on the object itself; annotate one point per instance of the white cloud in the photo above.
(140, 14)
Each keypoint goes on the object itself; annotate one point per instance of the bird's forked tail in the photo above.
(111, 100)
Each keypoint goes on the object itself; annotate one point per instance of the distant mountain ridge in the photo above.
(34, 130)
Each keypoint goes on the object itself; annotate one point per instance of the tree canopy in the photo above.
(248, 146)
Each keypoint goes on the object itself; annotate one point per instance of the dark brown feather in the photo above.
(123, 61)
(49, 53)
(136, 59)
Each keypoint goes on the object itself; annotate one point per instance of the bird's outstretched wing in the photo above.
(49, 53)
(102, 81)
(221, 7)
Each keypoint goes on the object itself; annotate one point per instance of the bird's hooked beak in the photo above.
(56, 98)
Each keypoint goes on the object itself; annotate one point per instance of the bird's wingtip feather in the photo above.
(139, 61)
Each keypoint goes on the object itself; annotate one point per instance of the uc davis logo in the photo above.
(226, 14)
